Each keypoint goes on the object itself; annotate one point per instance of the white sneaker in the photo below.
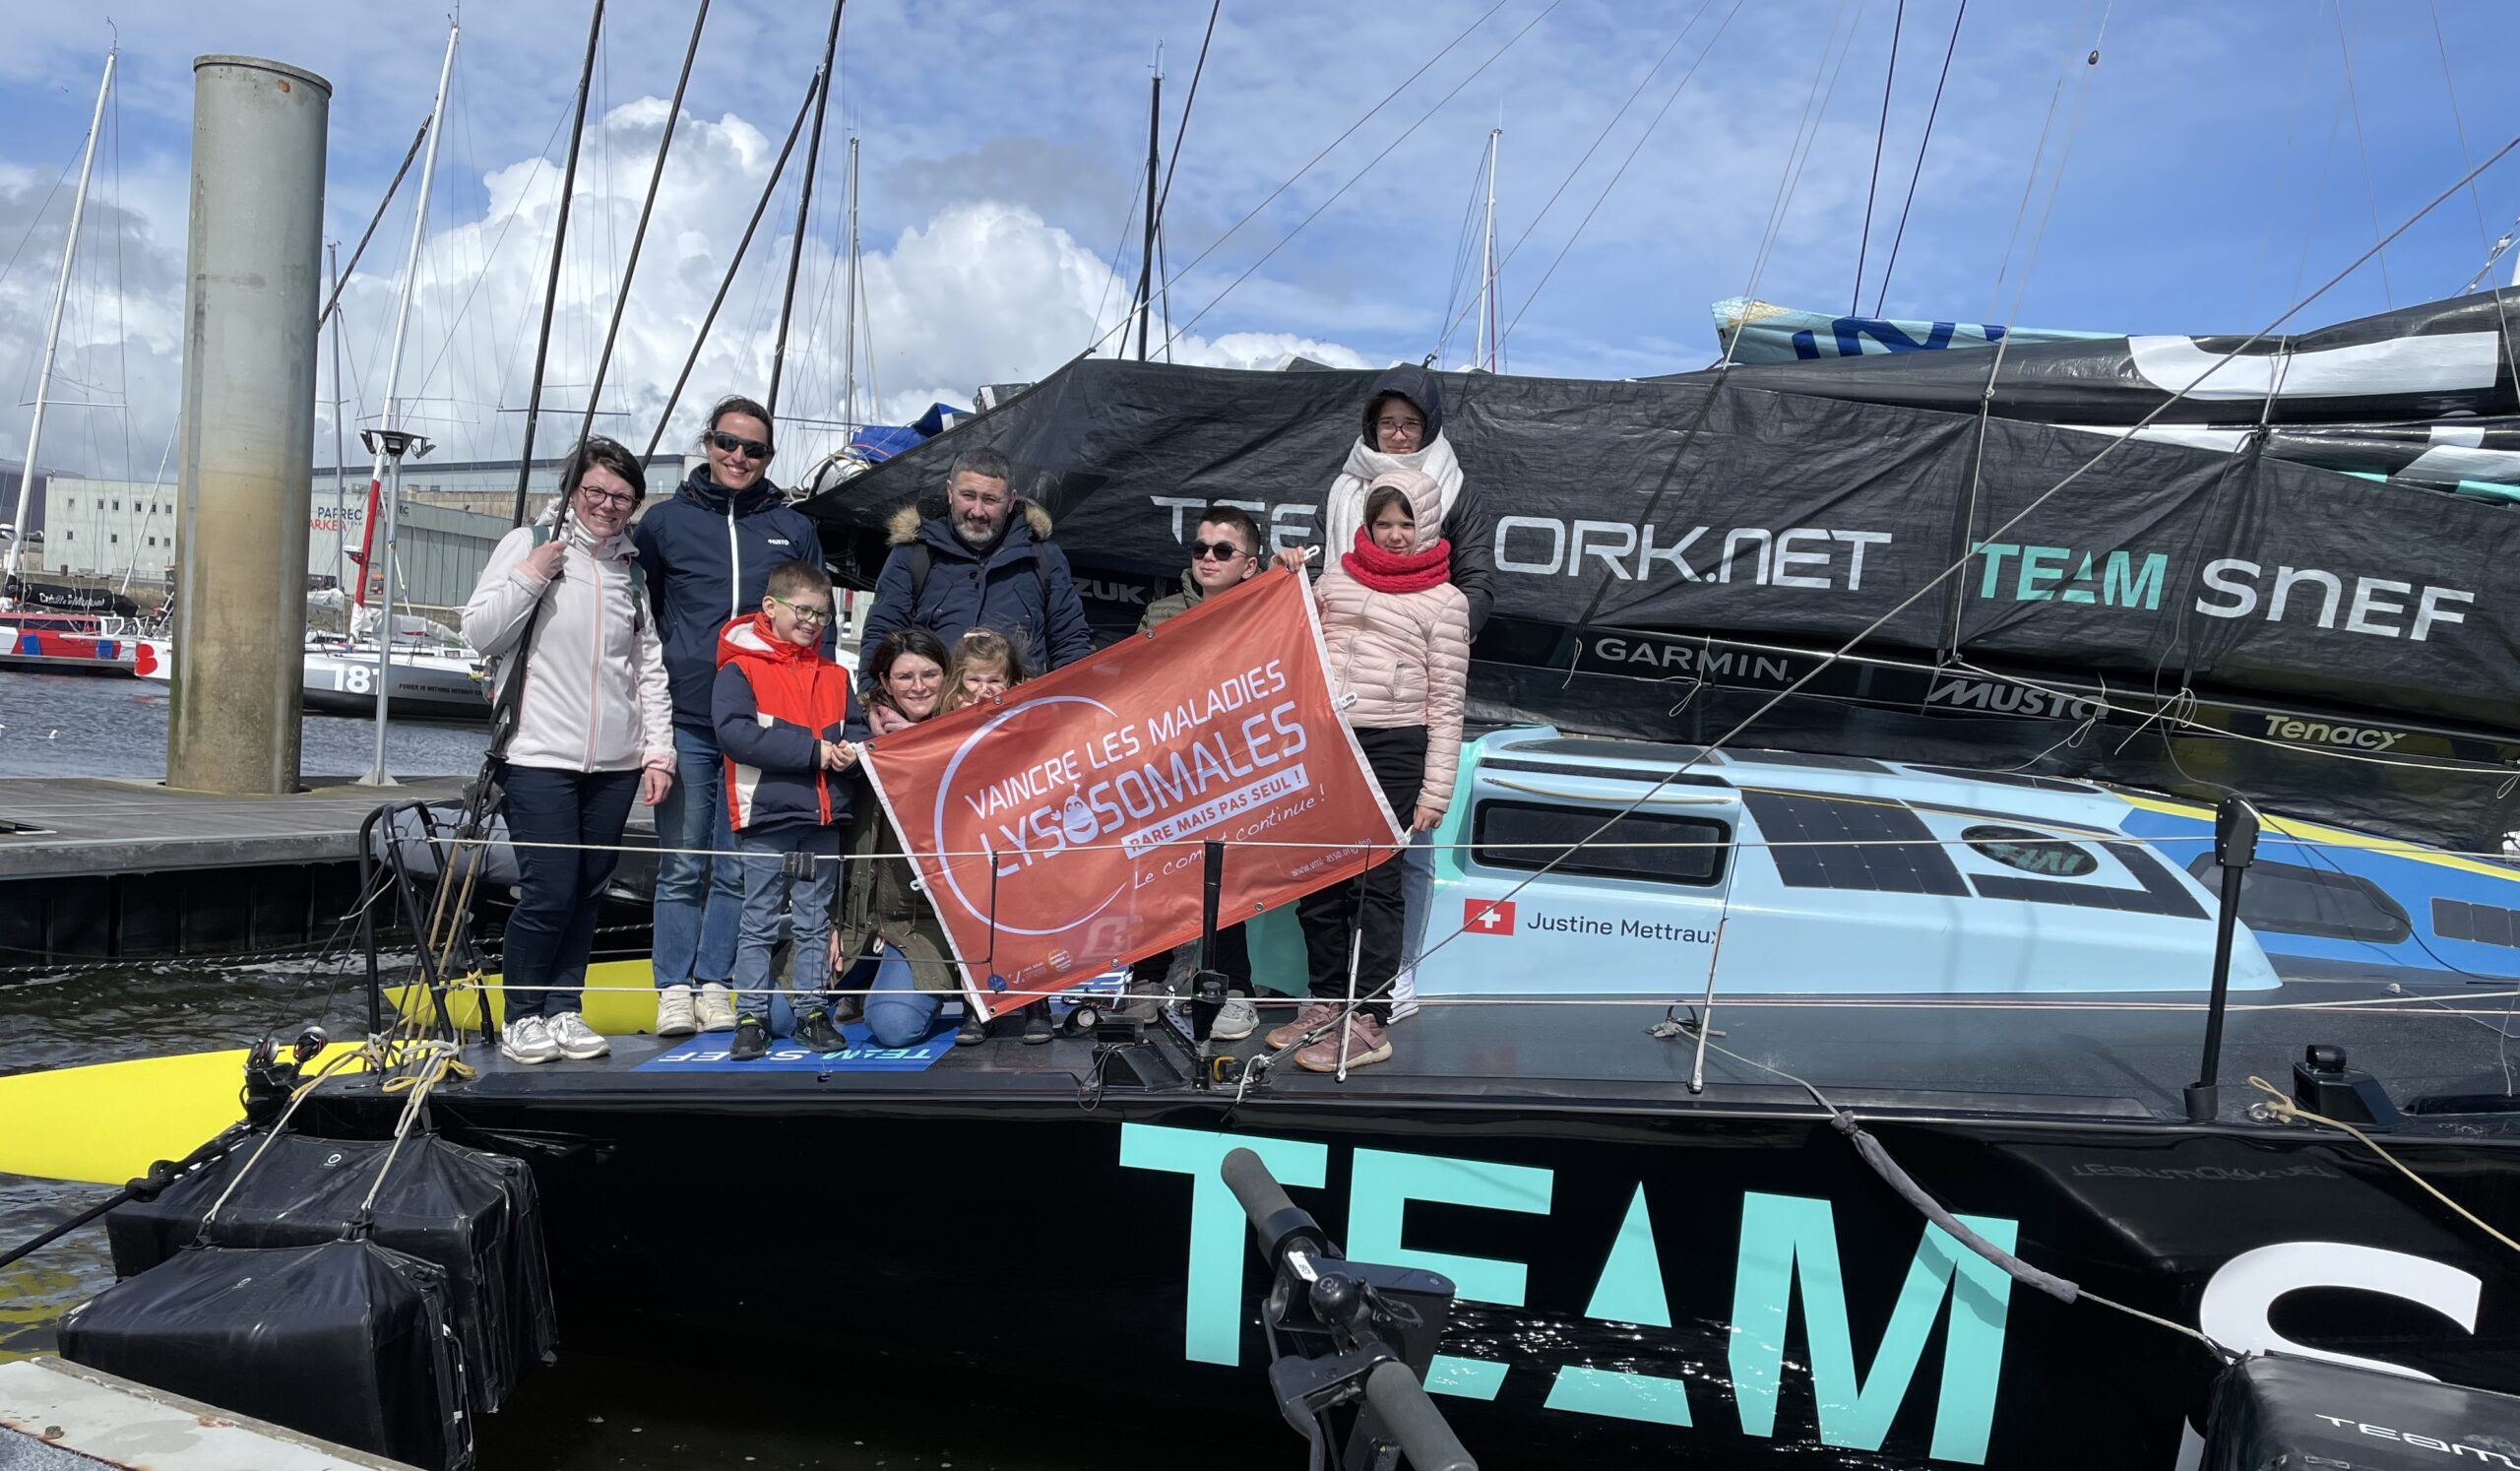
(674, 1016)
(717, 1008)
(1235, 1021)
(1403, 994)
(573, 1038)
(528, 1040)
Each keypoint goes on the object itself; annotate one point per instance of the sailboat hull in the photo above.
(423, 688)
(1643, 1282)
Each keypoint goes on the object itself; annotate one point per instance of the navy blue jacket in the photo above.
(772, 702)
(706, 556)
(1020, 588)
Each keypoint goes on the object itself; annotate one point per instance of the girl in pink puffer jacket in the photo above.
(1398, 635)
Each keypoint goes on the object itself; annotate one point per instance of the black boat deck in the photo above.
(2116, 1057)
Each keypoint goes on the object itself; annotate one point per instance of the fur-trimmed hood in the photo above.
(903, 527)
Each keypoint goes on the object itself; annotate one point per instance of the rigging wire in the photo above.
(2363, 144)
(1290, 183)
(1163, 195)
(1119, 247)
(1598, 200)
(2318, 193)
(122, 337)
(2029, 186)
(1880, 137)
(1461, 255)
(2450, 90)
(1935, 111)
(1440, 102)
(1806, 135)
(1599, 139)
(2027, 510)
(2283, 165)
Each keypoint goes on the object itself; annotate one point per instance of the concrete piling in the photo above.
(253, 277)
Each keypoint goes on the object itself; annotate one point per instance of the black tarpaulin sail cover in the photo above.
(474, 1215)
(1654, 538)
(348, 1341)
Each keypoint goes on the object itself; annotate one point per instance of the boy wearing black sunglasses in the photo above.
(1225, 550)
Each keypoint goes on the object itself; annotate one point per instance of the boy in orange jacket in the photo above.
(787, 725)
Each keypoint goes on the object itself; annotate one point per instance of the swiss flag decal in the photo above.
(1487, 916)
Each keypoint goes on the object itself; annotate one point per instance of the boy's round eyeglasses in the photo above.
(805, 613)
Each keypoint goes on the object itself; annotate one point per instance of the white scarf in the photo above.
(1343, 510)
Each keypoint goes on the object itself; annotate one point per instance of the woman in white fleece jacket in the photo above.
(594, 727)
(1398, 634)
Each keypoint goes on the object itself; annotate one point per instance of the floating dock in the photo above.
(95, 869)
(57, 1415)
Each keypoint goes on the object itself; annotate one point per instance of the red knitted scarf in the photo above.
(1389, 572)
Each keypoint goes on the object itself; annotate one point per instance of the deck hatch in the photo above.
(2299, 900)
(1497, 824)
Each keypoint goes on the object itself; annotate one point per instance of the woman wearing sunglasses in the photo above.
(707, 554)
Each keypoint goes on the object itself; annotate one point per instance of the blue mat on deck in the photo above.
(707, 1052)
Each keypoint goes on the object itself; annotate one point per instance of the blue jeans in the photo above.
(898, 1012)
(1417, 894)
(560, 887)
(698, 900)
(768, 887)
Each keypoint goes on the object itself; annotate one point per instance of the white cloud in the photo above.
(981, 291)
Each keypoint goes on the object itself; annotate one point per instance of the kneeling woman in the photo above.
(594, 726)
(884, 918)
(1398, 635)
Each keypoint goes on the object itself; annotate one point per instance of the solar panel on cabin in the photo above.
(1800, 758)
(1841, 843)
(2007, 778)
(2479, 924)
(1618, 750)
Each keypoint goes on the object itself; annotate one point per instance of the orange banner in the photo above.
(1058, 833)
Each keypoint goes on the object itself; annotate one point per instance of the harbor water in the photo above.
(715, 1406)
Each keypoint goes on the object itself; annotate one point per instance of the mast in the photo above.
(1488, 257)
(804, 202)
(401, 315)
(52, 331)
(849, 313)
(393, 373)
(551, 283)
(1146, 271)
(341, 467)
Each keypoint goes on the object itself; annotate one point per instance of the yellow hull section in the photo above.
(108, 1122)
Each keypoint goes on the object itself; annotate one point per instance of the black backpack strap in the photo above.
(920, 560)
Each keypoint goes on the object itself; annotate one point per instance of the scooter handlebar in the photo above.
(1412, 1420)
(1254, 1186)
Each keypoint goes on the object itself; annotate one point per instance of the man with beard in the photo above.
(975, 564)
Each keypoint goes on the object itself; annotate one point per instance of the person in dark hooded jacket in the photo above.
(1404, 430)
(984, 560)
(707, 555)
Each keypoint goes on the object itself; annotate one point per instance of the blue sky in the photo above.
(2211, 160)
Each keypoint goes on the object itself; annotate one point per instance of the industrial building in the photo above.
(453, 514)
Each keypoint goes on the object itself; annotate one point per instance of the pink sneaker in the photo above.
(1314, 1015)
(1365, 1041)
